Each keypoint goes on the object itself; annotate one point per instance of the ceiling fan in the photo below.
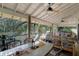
(50, 9)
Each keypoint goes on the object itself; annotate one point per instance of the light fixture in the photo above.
(62, 20)
(49, 9)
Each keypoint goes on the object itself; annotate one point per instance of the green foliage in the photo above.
(9, 25)
(65, 29)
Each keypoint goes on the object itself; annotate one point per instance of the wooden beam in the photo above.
(27, 8)
(43, 10)
(78, 33)
(29, 26)
(15, 7)
(19, 14)
(40, 12)
(37, 8)
(12, 12)
(43, 20)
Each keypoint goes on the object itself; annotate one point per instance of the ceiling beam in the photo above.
(66, 7)
(40, 12)
(43, 20)
(15, 7)
(41, 4)
(63, 8)
(9, 11)
(12, 12)
(43, 15)
(27, 8)
(43, 10)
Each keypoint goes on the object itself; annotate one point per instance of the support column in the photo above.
(76, 45)
(34, 27)
(29, 26)
(38, 28)
(55, 29)
(52, 30)
(78, 33)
